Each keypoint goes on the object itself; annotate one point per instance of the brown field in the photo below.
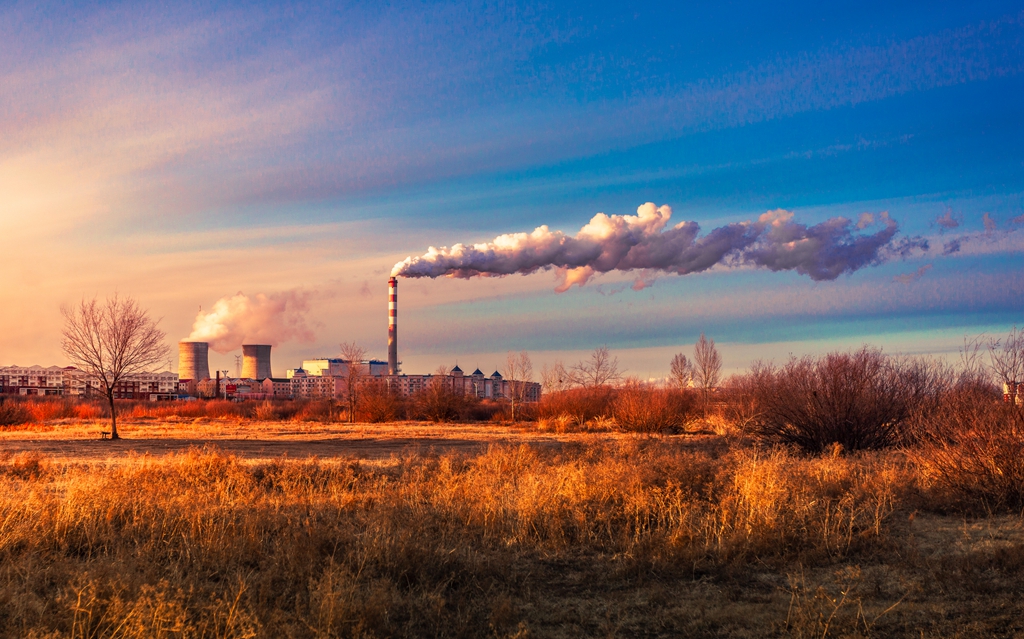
(222, 528)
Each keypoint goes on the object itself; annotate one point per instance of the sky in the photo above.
(279, 160)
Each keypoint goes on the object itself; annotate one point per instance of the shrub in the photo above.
(439, 402)
(13, 413)
(644, 408)
(488, 410)
(377, 403)
(859, 400)
(88, 410)
(317, 410)
(265, 412)
(581, 405)
(971, 452)
(44, 410)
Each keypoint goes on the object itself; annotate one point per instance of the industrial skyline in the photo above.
(276, 163)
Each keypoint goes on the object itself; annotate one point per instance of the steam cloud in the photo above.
(261, 319)
(641, 243)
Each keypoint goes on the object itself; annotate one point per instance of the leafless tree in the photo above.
(1007, 362)
(518, 373)
(601, 369)
(555, 379)
(707, 368)
(972, 367)
(110, 341)
(353, 356)
(681, 371)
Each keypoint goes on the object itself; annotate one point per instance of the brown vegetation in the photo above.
(857, 495)
(649, 537)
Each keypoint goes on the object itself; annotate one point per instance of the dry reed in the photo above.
(203, 544)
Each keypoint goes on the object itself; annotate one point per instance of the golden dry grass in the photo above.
(620, 537)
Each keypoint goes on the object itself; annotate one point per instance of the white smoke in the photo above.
(641, 242)
(261, 319)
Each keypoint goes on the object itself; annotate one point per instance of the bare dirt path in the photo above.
(249, 440)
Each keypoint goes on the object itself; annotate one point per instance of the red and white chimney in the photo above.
(393, 326)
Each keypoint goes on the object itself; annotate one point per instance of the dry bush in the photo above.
(377, 403)
(860, 400)
(195, 409)
(265, 411)
(317, 410)
(88, 410)
(488, 410)
(44, 410)
(13, 413)
(432, 546)
(642, 407)
(971, 452)
(439, 402)
(581, 405)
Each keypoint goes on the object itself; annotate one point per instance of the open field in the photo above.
(482, 530)
(80, 440)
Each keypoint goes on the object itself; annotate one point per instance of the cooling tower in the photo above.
(393, 326)
(256, 361)
(193, 360)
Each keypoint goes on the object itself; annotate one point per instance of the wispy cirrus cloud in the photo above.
(141, 121)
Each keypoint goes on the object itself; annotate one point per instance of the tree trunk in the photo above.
(113, 417)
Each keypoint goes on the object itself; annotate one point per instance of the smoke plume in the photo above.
(642, 243)
(261, 319)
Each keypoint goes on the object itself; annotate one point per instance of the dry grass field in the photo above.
(219, 528)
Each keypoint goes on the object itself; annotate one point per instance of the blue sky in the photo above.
(186, 153)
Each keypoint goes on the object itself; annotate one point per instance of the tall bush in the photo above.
(580, 405)
(971, 451)
(644, 408)
(860, 400)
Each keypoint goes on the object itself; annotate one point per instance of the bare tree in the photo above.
(518, 373)
(1007, 362)
(353, 355)
(681, 371)
(972, 367)
(110, 341)
(599, 370)
(555, 379)
(707, 368)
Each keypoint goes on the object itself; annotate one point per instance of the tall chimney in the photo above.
(256, 361)
(393, 326)
(193, 360)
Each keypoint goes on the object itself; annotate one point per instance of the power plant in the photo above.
(324, 377)
(193, 360)
(393, 326)
(256, 361)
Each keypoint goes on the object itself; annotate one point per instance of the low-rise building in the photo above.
(277, 388)
(32, 380)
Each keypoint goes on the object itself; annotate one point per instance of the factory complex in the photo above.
(317, 378)
(323, 377)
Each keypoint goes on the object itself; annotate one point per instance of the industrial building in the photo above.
(317, 377)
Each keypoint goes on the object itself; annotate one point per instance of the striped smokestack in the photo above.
(393, 326)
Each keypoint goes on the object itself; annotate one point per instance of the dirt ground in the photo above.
(256, 441)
